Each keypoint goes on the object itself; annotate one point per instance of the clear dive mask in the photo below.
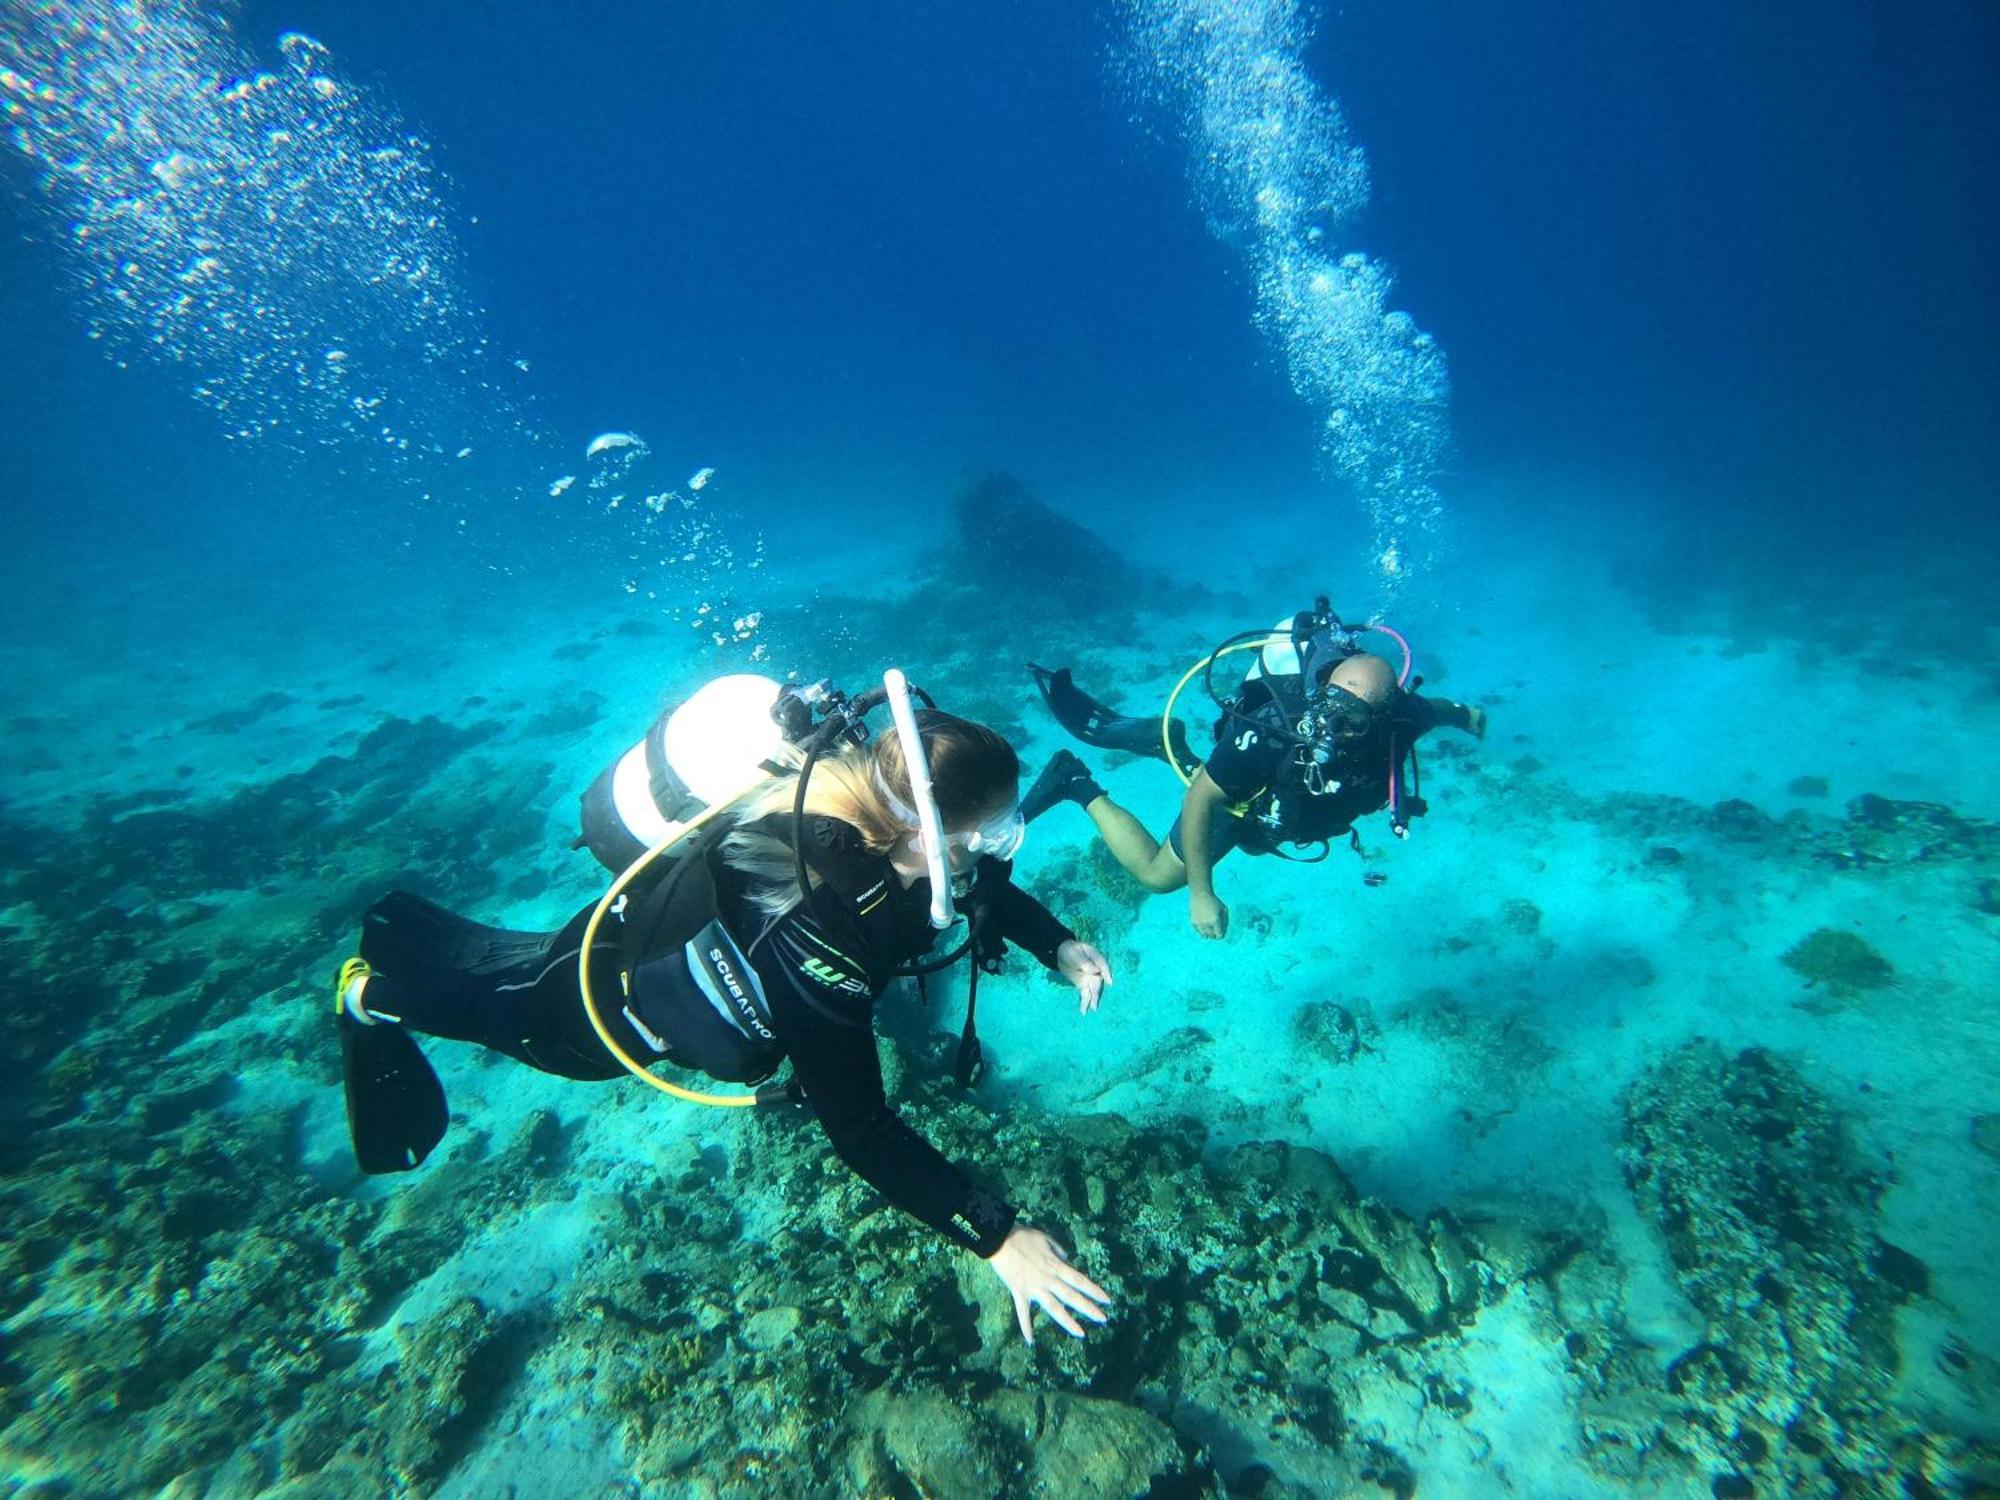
(999, 837)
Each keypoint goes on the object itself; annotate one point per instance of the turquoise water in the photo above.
(1629, 1129)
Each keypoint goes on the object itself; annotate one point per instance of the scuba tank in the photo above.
(724, 738)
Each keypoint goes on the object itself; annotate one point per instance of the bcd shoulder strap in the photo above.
(864, 892)
(675, 906)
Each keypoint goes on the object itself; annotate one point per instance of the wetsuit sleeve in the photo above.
(1245, 760)
(1029, 925)
(828, 1030)
(1431, 713)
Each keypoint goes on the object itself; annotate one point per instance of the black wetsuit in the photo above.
(1256, 766)
(820, 967)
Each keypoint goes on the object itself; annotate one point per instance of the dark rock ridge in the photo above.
(1769, 1214)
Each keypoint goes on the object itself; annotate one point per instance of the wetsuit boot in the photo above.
(1063, 779)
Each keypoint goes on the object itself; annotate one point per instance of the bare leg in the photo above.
(1146, 859)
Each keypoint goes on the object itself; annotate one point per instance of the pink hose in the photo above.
(1409, 656)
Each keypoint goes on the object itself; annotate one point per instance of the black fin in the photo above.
(396, 1112)
(1094, 724)
(410, 937)
(1063, 779)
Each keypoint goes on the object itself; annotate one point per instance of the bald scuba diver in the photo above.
(783, 915)
(1317, 734)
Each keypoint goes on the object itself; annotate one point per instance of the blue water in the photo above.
(1642, 361)
(1728, 259)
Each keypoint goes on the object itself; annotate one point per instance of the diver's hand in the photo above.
(1087, 969)
(1209, 916)
(1038, 1274)
(1475, 720)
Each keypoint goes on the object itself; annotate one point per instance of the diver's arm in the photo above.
(832, 1049)
(831, 1041)
(1431, 713)
(1205, 909)
(1028, 925)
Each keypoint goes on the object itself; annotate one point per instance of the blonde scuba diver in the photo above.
(1316, 734)
(759, 931)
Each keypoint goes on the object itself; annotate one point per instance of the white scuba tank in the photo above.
(710, 748)
(1278, 657)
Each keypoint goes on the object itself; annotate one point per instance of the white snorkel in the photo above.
(930, 826)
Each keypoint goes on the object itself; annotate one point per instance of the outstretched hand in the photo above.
(1086, 968)
(1038, 1274)
(1475, 720)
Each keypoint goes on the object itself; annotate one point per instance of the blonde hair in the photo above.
(973, 770)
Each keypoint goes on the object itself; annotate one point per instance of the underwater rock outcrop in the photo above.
(173, 1289)
(1260, 1293)
(1014, 1442)
(1329, 1031)
(1769, 1214)
(161, 915)
(1014, 534)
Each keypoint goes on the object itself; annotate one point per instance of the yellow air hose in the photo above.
(1167, 713)
(694, 1096)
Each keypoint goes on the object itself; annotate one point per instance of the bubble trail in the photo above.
(1277, 174)
(273, 233)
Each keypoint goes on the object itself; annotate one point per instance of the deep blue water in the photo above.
(1718, 261)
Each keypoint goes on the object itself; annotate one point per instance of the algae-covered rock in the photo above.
(1516, 1249)
(1180, 1050)
(446, 1370)
(931, 1443)
(1740, 822)
(1015, 1442)
(1398, 1246)
(1328, 1031)
(1094, 1449)
(770, 1328)
(1768, 1211)
(1840, 960)
(1453, 1259)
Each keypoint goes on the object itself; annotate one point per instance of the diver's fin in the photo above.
(409, 937)
(396, 1112)
(1094, 724)
(1064, 779)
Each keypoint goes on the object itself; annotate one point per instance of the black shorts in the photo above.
(1226, 831)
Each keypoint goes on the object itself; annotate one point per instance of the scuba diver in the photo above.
(760, 929)
(1317, 734)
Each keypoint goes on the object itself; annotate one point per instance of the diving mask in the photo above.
(999, 837)
(1334, 715)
